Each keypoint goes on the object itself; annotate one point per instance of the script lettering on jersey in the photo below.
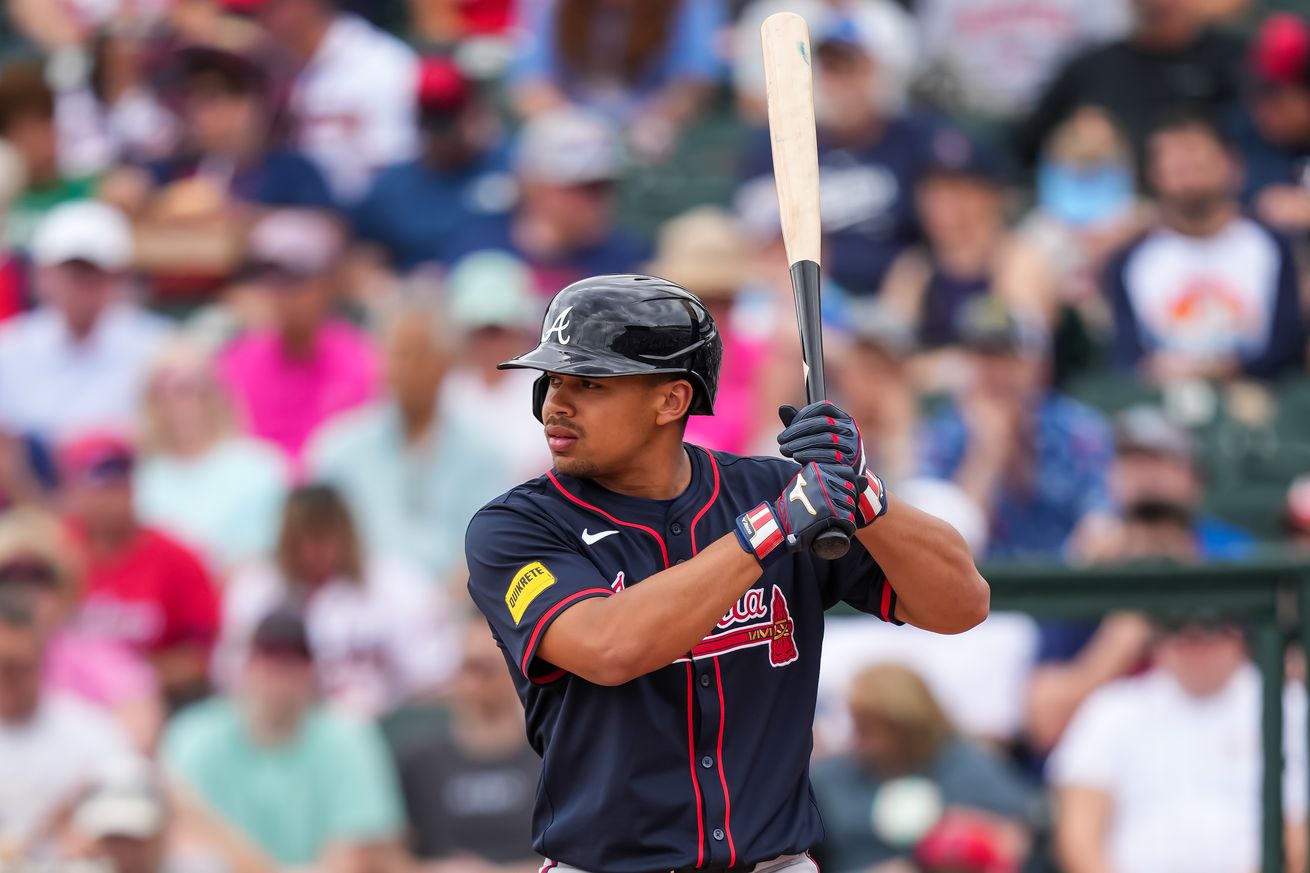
(528, 583)
(558, 326)
(751, 605)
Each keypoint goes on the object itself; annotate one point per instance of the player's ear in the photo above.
(673, 400)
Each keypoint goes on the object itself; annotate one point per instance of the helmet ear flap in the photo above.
(539, 394)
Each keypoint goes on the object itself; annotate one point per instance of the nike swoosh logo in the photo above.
(591, 539)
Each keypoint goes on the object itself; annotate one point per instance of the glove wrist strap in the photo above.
(759, 532)
(872, 500)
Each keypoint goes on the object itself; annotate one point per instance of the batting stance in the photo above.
(659, 606)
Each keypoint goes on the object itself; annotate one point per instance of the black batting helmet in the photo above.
(626, 325)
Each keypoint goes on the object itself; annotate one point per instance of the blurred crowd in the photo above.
(259, 260)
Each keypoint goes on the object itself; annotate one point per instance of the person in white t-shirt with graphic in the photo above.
(1207, 293)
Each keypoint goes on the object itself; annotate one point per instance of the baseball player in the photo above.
(659, 606)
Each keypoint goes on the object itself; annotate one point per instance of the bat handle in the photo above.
(831, 545)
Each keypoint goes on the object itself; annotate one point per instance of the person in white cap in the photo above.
(78, 361)
(493, 311)
(568, 163)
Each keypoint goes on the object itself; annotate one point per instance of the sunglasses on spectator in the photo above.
(28, 571)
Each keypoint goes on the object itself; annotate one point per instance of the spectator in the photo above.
(1155, 460)
(494, 310)
(906, 750)
(39, 562)
(1087, 209)
(1170, 59)
(1273, 129)
(462, 168)
(78, 361)
(191, 448)
(49, 744)
(351, 103)
(470, 793)
(1077, 657)
(290, 378)
(889, 28)
(1207, 293)
(704, 251)
(871, 153)
(127, 820)
(872, 376)
(378, 628)
(648, 67)
(1162, 771)
(227, 109)
(143, 589)
(307, 786)
(989, 59)
(27, 119)
(968, 251)
(1038, 462)
(413, 473)
(568, 163)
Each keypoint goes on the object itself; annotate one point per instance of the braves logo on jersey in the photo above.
(778, 631)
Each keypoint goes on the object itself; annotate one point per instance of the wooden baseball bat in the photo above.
(789, 87)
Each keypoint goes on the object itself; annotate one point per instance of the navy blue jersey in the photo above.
(703, 762)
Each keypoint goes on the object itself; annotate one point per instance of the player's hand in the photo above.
(820, 497)
(823, 433)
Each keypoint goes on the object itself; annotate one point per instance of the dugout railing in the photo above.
(1270, 593)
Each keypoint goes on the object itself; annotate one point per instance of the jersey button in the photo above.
(676, 528)
(705, 680)
(718, 834)
(707, 762)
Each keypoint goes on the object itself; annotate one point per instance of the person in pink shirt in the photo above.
(704, 251)
(38, 560)
(307, 366)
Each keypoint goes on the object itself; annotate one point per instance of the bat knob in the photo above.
(831, 545)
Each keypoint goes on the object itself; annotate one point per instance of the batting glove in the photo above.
(823, 433)
(820, 497)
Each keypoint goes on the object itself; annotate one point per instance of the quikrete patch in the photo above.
(528, 583)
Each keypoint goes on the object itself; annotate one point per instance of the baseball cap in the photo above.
(965, 842)
(125, 799)
(1148, 430)
(282, 633)
(88, 231)
(954, 153)
(492, 289)
(987, 325)
(1280, 53)
(97, 457)
(705, 251)
(299, 242)
(442, 89)
(569, 146)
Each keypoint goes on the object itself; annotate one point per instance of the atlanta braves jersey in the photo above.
(704, 762)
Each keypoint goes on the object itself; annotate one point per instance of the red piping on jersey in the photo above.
(723, 779)
(691, 757)
(664, 550)
(706, 508)
(541, 625)
(886, 600)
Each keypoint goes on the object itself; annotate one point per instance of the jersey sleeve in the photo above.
(523, 576)
(857, 580)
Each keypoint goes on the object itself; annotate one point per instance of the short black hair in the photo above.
(1190, 117)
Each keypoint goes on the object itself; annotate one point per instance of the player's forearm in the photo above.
(938, 588)
(612, 640)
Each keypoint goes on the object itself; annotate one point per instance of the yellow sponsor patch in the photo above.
(528, 583)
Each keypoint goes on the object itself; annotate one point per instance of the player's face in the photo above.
(596, 427)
